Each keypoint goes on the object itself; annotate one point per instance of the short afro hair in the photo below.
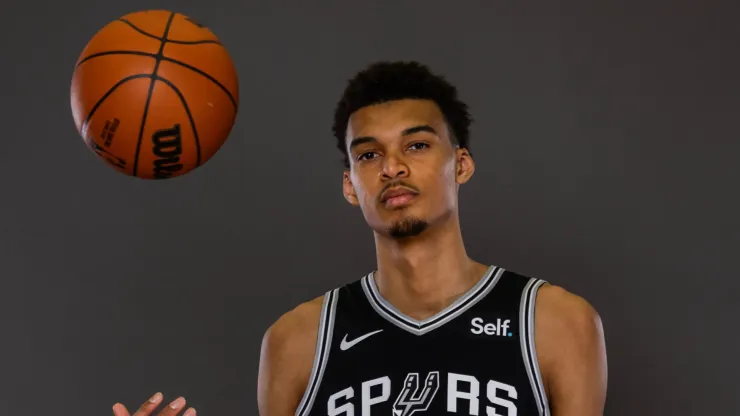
(389, 81)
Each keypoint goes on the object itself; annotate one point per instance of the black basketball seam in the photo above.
(110, 91)
(99, 54)
(179, 42)
(158, 58)
(174, 61)
(206, 75)
(190, 116)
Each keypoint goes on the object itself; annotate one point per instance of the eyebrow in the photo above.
(406, 132)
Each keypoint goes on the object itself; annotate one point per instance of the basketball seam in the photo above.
(165, 58)
(179, 42)
(83, 128)
(190, 116)
(158, 58)
(205, 75)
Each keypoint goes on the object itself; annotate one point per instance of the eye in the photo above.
(418, 146)
(365, 156)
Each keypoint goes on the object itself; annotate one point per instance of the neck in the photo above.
(422, 275)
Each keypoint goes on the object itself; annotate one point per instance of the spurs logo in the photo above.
(411, 400)
(461, 394)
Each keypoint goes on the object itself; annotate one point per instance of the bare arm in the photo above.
(571, 349)
(286, 359)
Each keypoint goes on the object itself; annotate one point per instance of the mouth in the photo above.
(396, 197)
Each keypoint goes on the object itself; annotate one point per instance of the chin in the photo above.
(407, 227)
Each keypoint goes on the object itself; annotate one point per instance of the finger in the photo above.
(120, 410)
(174, 408)
(149, 406)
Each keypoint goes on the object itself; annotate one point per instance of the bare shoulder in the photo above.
(565, 311)
(564, 322)
(297, 326)
(286, 358)
(570, 346)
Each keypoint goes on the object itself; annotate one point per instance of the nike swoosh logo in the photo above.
(345, 345)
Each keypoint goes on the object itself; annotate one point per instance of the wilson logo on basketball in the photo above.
(109, 130)
(167, 147)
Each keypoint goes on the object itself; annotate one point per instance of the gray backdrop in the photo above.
(606, 142)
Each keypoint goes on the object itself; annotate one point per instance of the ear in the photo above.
(349, 190)
(464, 165)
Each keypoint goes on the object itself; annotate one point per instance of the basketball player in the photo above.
(430, 331)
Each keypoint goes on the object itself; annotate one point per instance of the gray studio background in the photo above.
(606, 144)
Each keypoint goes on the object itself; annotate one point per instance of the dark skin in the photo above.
(148, 408)
(406, 146)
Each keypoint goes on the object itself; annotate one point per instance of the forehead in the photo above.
(389, 119)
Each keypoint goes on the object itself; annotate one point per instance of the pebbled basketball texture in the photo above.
(154, 94)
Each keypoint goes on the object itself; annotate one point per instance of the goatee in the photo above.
(407, 227)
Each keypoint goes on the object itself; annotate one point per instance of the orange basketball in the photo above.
(154, 94)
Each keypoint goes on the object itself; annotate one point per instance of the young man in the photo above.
(431, 331)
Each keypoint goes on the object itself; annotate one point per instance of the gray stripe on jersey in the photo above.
(321, 356)
(529, 352)
(393, 315)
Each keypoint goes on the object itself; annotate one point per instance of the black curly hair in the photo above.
(388, 81)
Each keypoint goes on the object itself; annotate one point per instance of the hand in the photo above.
(146, 409)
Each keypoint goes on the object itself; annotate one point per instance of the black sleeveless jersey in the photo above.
(475, 357)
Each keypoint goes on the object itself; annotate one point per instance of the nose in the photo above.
(394, 167)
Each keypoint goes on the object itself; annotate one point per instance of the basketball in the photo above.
(154, 94)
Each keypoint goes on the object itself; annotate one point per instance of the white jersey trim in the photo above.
(529, 352)
(416, 327)
(321, 355)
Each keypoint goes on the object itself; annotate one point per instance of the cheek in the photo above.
(366, 200)
(449, 170)
(446, 175)
(446, 179)
(364, 194)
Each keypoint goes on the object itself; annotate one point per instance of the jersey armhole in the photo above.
(529, 352)
(321, 355)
